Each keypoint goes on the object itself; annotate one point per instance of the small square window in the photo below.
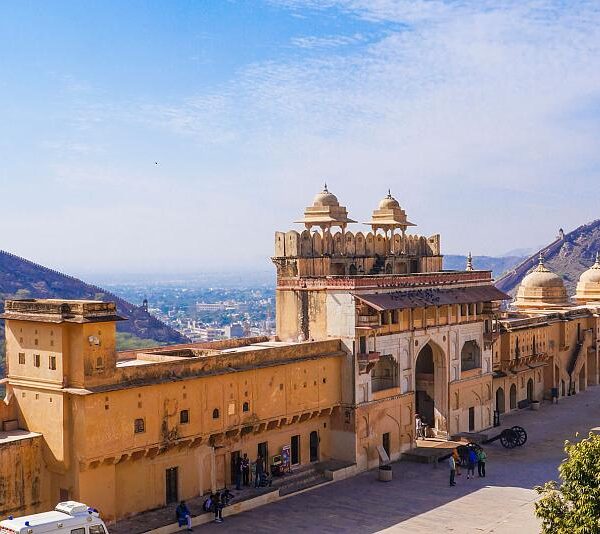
(36, 360)
(246, 407)
(216, 413)
(139, 426)
(36, 341)
(22, 358)
(184, 417)
(52, 363)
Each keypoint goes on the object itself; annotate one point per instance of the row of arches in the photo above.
(501, 401)
(314, 244)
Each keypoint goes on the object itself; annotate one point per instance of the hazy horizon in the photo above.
(165, 137)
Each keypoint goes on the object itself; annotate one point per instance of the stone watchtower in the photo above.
(319, 257)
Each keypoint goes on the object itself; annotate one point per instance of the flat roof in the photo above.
(8, 436)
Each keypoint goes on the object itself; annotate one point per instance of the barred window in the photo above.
(22, 358)
(139, 426)
(52, 363)
(184, 416)
(36, 360)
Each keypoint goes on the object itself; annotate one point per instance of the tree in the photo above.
(573, 507)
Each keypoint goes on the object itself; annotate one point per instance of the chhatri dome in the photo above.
(541, 288)
(325, 212)
(588, 287)
(389, 216)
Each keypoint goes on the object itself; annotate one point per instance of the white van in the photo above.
(68, 517)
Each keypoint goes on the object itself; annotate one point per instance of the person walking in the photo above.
(237, 466)
(246, 470)
(260, 468)
(218, 508)
(456, 457)
(452, 465)
(481, 459)
(471, 463)
(419, 426)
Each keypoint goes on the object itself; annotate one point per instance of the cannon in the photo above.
(510, 437)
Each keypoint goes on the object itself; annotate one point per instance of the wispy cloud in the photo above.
(331, 41)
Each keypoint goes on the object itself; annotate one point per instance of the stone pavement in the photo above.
(419, 499)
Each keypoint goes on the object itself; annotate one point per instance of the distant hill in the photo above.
(568, 255)
(21, 278)
(498, 266)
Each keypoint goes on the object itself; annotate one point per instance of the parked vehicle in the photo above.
(68, 517)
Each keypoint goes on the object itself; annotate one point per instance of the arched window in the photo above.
(513, 397)
(246, 407)
(470, 356)
(385, 374)
(216, 413)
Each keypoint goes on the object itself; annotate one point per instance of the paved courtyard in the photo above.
(419, 499)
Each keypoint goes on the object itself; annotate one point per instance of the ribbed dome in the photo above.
(592, 275)
(325, 198)
(588, 287)
(542, 277)
(541, 288)
(389, 202)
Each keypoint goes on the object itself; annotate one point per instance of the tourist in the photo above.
(419, 426)
(452, 465)
(183, 515)
(218, 508)
(481, 459)
(237, 466)
(471, 463)
(246, 470)
(260, 469)
(456, 457)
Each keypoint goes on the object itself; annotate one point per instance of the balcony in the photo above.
(367, 360)
(368, 321)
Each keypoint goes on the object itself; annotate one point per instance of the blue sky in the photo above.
(482, 117)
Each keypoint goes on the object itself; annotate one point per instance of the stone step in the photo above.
(303, 483)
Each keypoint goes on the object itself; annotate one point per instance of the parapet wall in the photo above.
(307, 245)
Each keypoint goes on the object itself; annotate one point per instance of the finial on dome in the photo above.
(598, 257)
(325, 190)
(389, 193)
(541, 258)
(469, 262)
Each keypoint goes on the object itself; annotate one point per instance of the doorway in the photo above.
(513, 397)
(263, 451)
(500, 400)
(386, 443)
(171, 476)
(530, 390)
(295, 446)
(431, 388)
(234, 459)
(471, 418)
(314, 446)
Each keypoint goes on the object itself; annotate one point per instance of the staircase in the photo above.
(300, 480)
(378, 266)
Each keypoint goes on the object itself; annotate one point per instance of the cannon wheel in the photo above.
(521, 435)
(508, 438)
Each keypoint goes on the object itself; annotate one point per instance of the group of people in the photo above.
(246, 472)
(475, 456)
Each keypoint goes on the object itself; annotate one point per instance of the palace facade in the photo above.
(370, 331)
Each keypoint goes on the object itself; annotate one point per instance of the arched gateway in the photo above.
(431, 388)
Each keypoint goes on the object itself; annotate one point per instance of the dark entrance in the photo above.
(171, 485)
(234, 457)
(386, 443)
(295, 450)
(425, 386)
(314, 446)
(263, 450)
(471, 419)
(513, 397)
(530, 390)
(500, 400)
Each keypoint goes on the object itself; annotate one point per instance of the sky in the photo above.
(178, 136)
